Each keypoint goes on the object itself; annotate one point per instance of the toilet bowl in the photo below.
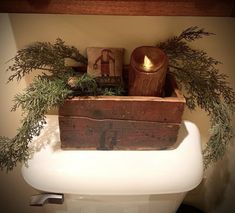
(116, 181)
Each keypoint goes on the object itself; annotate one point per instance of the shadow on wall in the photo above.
(210, 194)
(218, 186)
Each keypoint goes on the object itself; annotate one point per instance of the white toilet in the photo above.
(116, 181)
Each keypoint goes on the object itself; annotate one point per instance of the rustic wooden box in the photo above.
(122, 122)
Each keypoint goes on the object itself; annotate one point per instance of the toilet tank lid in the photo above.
(114, 172)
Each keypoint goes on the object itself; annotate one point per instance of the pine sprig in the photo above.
(110, 91)
(193, 33)
(86, 85)
(221, 134)
(42, 95)
(45, 56)
(205, 87)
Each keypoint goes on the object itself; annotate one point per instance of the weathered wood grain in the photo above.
(111, 134)
(137, 109)
(122, 122)
(122, 7)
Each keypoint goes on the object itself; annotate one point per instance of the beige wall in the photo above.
(216, 192)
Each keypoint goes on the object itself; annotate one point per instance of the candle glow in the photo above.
(147, 63)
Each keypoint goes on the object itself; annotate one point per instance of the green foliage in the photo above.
(109, 91)
(84, 85)
(45, 56)
(43, 94)
(205, 87)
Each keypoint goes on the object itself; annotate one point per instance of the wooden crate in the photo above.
(122, 122)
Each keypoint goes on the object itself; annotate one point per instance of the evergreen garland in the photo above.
(44, 56)
(42, 95)
(205, 87)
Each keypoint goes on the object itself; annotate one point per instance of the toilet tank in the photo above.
(163, 176)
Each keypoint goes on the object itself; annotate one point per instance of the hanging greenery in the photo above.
(194, 71)
(42, 95)
(205, 87)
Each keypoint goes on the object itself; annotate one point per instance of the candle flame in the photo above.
(147, 63)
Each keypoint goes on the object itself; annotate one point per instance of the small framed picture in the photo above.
(105, 64)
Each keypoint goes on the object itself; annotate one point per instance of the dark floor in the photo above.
(188, 209)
